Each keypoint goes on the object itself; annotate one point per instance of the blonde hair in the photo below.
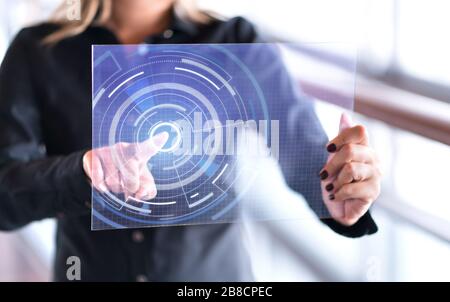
(100, 11)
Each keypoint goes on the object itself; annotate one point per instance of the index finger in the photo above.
(150, 147)
(352, 135)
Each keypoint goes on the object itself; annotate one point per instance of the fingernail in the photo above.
(331, 148)
(323, 175)
(329, 187)
(332, 197)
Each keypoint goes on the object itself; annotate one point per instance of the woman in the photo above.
(46, 165)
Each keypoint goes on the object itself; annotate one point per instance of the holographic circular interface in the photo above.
(198, 94)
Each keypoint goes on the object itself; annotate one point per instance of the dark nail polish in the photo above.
(331, 148)
(323, 175)
(329, 187)
(331, 196)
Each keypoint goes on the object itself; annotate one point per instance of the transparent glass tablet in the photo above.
(223, 131)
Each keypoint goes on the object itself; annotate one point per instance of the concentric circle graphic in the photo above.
(199, 95)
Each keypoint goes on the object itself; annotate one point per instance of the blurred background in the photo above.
(402, 95)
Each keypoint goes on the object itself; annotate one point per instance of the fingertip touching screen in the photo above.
(213, 133)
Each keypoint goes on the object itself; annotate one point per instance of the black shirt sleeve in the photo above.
(364, 226)
(33, 186)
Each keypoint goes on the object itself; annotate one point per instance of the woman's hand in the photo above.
(351, 177)
(123, 168)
